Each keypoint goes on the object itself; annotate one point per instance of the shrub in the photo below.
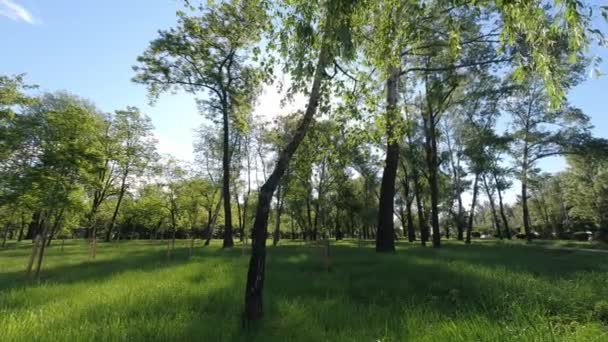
(565, 235)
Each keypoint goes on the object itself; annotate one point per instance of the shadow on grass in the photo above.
(362, 291)
(112, 259)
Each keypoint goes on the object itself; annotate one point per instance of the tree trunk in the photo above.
(256, 272)
(172, 241)
(472, 212)
(211, 221)
(385, 238)
(55, 227)
(228, 241)
(123, 188)
(309, 217)
(411, 234)
(492, 207)
(277, 227)
(21, 228)
(505, 221)
(41, 252)
(239, 213)
(33, 228)
(338, 232)
(524, 194)
(433, 165)
(5, 235)
(424, 231)
(35, 247)
(460, 220)
(455, 166)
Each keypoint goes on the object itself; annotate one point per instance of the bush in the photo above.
(565, 235)
(475, 235)
(601, 311)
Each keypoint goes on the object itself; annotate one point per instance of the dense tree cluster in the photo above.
(421, 116)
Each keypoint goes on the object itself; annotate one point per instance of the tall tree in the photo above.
(62, 135)
(207, 54)
(136, 151)
(540, 131)
(331, 41)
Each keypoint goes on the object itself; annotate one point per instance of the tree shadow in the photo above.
(456, 283)
(108, 263)
(361, 295)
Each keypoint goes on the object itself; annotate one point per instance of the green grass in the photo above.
(131, 292)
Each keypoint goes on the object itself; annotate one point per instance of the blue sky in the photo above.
(88, 48)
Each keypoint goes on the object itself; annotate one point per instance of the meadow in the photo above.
(488, 291)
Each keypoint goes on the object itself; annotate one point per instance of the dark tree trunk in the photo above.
(309, 216)
(123, 188)
(524, 193)
(492, 207)
(41, 253)
(33, 228)
(433, 165)
(385, 238)
(409, 221)
(256, 272)
(505, 221)
(211, 221)
(277, 227)
(228, 241)
(238, 212)
(5, 235)
(42, 244)
(337, 230)
(55, 228)
(424, 230)
(472, 212)
(460, 222)
(455, 166)
(21, 228)
(525, 209)
(411, 234)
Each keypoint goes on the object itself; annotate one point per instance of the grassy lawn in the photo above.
(131, 292)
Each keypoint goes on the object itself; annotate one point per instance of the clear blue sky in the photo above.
(88, 48)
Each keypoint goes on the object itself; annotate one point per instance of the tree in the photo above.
(103, 182)
(172, 188)
(208, 153)
(207, 54)
(540, 131)
(62, 135)
(136, 150)
(12, 97)
(333, 30)
(585, 182)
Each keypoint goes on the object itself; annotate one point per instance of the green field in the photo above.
(131, 292)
